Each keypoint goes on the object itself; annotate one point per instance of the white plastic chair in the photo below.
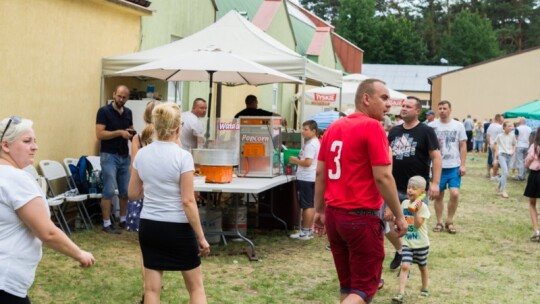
(73, 161)
(95, 161)
(53, 171)
(55, 203)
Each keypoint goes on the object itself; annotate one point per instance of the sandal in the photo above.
(450, 228)
(535, 237)
(398, 298)
(438, 228)
(381, 284)
(424, 293)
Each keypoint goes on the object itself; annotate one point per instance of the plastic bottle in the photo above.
(413, 206)
(150, 91)
(93, 183)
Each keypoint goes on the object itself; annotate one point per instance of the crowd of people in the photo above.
(361, 182)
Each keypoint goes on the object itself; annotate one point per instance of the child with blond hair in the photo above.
(416, 240)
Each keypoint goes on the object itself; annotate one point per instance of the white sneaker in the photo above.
(301, 236)
(296, 235)
(305, 237)
(495, 178)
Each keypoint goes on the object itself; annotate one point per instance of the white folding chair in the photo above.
(55, 203)
(53, 171)
(73, 161)
(95, 161)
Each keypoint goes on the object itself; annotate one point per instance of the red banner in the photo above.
(324, 97)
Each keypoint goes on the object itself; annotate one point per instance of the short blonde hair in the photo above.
(15, 129)
(166, 119)
(417, 182)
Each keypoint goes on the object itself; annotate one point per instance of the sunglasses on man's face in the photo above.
(16, 120)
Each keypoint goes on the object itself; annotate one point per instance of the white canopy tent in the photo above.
(330, 96)
(235, 34)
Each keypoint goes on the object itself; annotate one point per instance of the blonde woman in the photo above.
(25, 219)
(170, 232)
(138, 141)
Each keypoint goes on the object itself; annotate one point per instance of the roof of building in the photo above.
(266, 13)
(303, 28)
(413, 78)
(247, 9)
(489, 61)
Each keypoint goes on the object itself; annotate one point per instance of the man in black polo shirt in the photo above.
(415, 151)
(114, 127)
(251, 110)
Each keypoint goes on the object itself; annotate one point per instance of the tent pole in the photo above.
(207, 134)
(340, 97)
(303, 107)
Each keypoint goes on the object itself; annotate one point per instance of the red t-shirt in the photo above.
(350, 148)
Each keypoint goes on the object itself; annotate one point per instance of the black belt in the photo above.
(369, 212)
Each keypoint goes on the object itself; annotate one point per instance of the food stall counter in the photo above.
(240, 185)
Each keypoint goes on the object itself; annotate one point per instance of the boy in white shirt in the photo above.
(305, 178)
(416, 241)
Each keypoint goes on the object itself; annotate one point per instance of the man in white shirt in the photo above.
(192, 131)
(522, 148)
(494, 129)
(453, 145)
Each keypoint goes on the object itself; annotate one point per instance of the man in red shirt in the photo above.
(354, 176)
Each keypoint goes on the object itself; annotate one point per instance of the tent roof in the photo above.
(529, 110)
(236, 34)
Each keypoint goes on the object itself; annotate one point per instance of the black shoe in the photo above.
(110, 230)
(122, 225)
(396, 262)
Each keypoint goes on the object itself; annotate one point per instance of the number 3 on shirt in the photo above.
(336, 147)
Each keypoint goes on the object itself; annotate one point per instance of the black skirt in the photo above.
(533, 185)
(168, 246)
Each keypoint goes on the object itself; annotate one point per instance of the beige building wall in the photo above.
(493, 87)
(51, 66)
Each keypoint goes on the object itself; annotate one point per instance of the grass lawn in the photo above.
(489, 260)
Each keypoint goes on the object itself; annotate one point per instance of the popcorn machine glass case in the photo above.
(260, 143)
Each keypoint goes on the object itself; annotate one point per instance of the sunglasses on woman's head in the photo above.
(16, 120)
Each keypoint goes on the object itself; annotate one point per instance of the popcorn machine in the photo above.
(260, 145)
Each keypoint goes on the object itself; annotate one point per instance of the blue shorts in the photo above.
(115, 173)
(307, 193)
(450, 177)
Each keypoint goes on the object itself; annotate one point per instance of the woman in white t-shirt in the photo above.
(505, 147)
(25, 221)
(170, 232)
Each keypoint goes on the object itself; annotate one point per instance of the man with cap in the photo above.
(430, 116)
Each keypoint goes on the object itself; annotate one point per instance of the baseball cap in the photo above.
(430, 112)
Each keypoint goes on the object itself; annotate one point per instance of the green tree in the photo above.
(431, 25)
(324, 9)
(513, 21)
(356, 22)
(397, 43)
(471, 39)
